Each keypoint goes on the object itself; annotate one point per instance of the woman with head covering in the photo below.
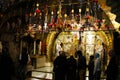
(97, 67)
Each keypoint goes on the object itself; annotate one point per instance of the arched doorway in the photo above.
(91, 42)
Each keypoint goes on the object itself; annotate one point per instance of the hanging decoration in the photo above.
(75, 21)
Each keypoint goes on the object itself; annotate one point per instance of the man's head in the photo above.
(79, 53)
(97, 55)
(61, 44)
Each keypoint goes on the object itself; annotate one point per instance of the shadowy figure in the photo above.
(91, 67)
(81, 65)
(112, 68)
(6, 65)
(59, 68)
(22, 69)
(71, 68)
(97, 67)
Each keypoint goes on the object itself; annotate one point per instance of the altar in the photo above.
(38, 61)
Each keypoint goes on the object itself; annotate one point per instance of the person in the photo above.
(23, 61)
(59, 66)
(91, 67)
(81, 65)
(59, 47)
(6, 65)
(97, 67)
(112, 68)
(71, 68)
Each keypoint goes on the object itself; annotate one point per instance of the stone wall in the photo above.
(13, 46)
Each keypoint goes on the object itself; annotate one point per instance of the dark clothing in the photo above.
(112, 69)
(97, 75)
(24, 57)
(71, 68)
(82, 67)
(6, 66)
(59, 68)
(22, 72)
(82, 63)
(22, 68)
(91, 69)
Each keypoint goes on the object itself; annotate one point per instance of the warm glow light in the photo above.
(30, 14)
(87, 9)
(58, 12)
(40, 14)
(37, 5)
(39, 27)
(45, 26)
(52, 12)
(72, 11)
(84, 24)
(65, 15)
(80, 10)
(35, 14)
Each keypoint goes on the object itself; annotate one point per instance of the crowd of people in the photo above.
(71, 68)
(64, 67)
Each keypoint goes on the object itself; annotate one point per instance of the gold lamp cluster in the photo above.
(64, 22)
